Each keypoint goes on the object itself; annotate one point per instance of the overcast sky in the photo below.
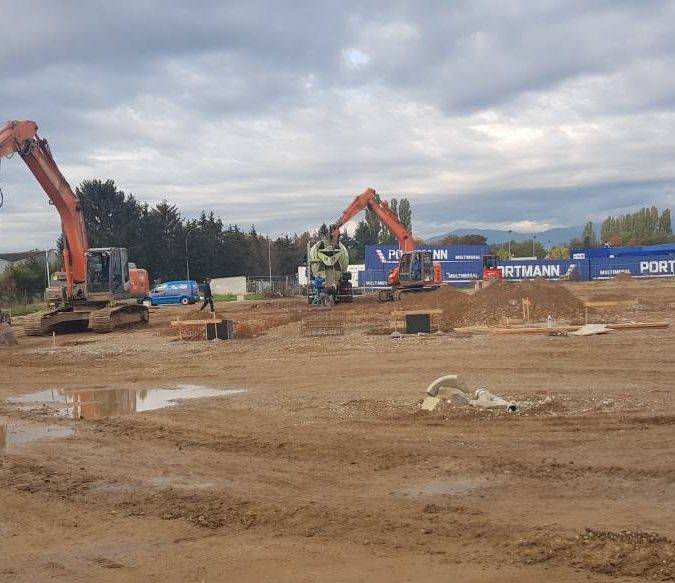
(522, 115)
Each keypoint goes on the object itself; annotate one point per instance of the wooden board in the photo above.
(611, 304)
(196, 322)
(399, 313)
(546, 330)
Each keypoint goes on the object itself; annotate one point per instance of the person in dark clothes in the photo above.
(208, 295)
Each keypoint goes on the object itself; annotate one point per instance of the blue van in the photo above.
(174, 292)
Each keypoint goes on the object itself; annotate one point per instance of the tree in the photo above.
(644, 226)
(665, 226)
(558, 253)
(112, 217)
(25, 280)
(405, 214)
(588, 236)
(519, 249)
(472, 239)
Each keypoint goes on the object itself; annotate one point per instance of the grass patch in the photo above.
(224, 297)
(233, 297)
(16, 310)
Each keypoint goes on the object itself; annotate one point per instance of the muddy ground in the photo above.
(325, 469)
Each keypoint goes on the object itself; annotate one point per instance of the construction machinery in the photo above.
(96, 280)
(416, 270)
(491, 271)
(329, 261)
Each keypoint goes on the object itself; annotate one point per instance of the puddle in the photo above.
(445, 487)
(96, 403)
(14, 434)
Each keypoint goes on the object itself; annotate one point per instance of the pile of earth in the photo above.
(489, 305)
(453, 302)
(505, 299)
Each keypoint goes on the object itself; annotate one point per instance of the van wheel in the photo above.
(184, 301)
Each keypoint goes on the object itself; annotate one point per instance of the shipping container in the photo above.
(381, 256)
(519, 269)
(636, 266)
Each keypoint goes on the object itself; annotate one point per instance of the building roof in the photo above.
(21, 255)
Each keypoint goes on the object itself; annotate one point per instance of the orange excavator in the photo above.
(416, 270)
(95, 279)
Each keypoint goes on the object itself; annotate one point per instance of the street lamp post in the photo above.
(49, 275)
(269, 258)
(510, 231)
(533, 238)
(187, 256)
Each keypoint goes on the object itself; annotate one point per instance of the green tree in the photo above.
(559, 252)
(405, 214)
(519, 249)
(665, 226)
(471, 239)
(588, 236)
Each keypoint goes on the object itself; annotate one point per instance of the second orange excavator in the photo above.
(96, 279)
(416, 270)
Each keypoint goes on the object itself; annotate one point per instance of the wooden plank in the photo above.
(431, 311)
(638, 325)
(196, 322)
(546, 330)
(534, 330)
(611, 303)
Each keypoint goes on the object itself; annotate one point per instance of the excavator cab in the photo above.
(491, 269)
(107, 273)
(416, 267)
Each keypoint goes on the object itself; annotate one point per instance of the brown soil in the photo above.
(487, 306)
(505, 299)
(327, 469)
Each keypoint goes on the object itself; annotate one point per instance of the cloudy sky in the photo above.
(516, 114)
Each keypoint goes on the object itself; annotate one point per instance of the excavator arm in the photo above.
(367, 200)
(22, 137)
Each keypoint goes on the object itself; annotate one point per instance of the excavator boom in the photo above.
(22, 137)
(94, 277)
(367, 200)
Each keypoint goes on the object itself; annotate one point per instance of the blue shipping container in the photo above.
(381, 256)
(609, 252)
(519, 269)
(636, 266)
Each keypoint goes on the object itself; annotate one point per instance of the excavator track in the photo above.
(33, 324)
(108, 319)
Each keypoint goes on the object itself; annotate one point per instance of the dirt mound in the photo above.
(627, 553)
(452, 301)
(505, 299)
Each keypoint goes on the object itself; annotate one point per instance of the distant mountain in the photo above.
(556, 236)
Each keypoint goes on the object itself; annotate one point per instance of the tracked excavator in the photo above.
(416, 270)
(96, 280)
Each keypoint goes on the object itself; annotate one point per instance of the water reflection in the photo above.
(14, 434)
(112, 401)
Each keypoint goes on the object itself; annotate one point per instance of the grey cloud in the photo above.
(478, 111)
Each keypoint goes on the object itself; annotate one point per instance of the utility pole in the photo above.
(269, 257)
(187, 256)
(47, 264)
(533, 238)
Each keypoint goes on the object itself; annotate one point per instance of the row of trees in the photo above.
(160, 240)
(156, 237)
(22, 282)
(646, 226)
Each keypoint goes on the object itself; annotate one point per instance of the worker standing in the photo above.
(208, 295)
